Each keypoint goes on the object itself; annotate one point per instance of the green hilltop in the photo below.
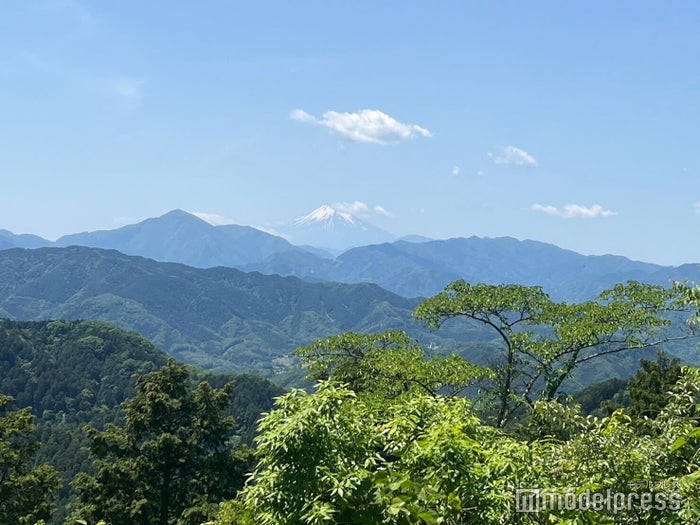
(77, 373)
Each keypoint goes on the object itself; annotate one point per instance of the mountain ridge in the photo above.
(219, 317)
(423, 269)
(179, 236)
(405, 267)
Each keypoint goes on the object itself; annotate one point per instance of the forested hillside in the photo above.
(222, 318)
(74, 374)
(218, 318)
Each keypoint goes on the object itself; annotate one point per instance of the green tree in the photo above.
(602, 399)
(388, 364)
(545, 341)
(649, 388)
(335, 456)
(171, 462)
(27, 492)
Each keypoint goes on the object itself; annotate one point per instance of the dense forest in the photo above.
(79, 373)
(100, 426)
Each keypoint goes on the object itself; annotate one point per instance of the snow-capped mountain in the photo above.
(329, 227)
(327, 216)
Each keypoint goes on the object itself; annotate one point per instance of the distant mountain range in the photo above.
(11, 240)
(226, 319)
(415, 269)
(179, 236)
(411, 267)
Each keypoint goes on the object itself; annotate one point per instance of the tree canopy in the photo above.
(172, 460)
(335, 456)
(543, 342)
(388, 364)
(27, 492)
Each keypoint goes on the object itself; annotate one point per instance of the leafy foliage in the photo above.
(543, 341)
(418, 459)
(171, 462)
(27, 492)
(649, 388)
(388, 364)
(337, 456)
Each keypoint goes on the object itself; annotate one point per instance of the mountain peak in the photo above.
(333, 227)
(326, 215)
(179, 215)
(183, 237)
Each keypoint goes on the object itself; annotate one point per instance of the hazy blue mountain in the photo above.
(411, 268)
(685, 272)
(181, 237)
(305, 265)
(336, 229)
(414, 238)
(324, 253)
(422, 269)
(22, 240)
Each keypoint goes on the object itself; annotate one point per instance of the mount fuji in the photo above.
(335, 229)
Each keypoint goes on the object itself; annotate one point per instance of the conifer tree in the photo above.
(172, 461)
(27, 492)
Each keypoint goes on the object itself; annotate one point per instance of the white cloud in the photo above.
(360, 209)
(549, 210)
(354, 208)
(302, 116)
(455, 171)
(212, 218)
(270, 230)
(514, 156)
(383, 211)
(696, 206)
(574, 211)
(367, 125)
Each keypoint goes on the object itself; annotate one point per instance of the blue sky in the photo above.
(570, 124)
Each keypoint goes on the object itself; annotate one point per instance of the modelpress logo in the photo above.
(539, 500)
